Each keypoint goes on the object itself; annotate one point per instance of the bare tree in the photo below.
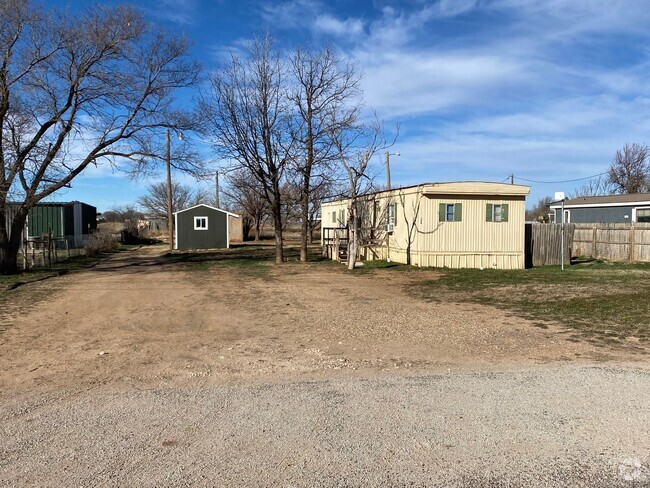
(247, 114)
(630, 170)
(246, 195)
(410, 220)
(155, 201)
(75, 91)
(316, 197)
(594, 187)
(356, 145)
(540, 211)
(323, 101)
(291, 203)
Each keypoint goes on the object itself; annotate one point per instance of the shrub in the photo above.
(100, 242)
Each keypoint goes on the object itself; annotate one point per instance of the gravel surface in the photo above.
(570, 425)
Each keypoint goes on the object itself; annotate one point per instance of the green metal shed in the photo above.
(70, 220)
(202, 227)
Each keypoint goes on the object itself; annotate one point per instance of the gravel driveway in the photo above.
(542, 426)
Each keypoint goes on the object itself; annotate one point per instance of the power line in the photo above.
(557, 182)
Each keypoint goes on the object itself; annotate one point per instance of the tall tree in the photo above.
(630, 170)
(75, 91)
(248, 116)
(323, 98)
(246, 195)
(155, 200)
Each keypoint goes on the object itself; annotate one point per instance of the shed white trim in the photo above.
(597, 205)
(208, 206)
(175, 246)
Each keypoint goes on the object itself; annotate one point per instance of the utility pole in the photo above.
(512, 179)
(216, 204)
(170, 216)
(388, 169)
(388, 155)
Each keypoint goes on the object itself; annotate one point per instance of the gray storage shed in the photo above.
(202, 227)
(610, 209)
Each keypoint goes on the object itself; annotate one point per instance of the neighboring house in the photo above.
(203, 227)
(610, 209)
(467, 224)
(73, 221)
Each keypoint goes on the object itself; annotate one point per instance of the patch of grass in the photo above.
(38, 273)
(255, 260)
(602, 301)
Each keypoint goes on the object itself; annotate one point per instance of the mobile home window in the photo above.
(200, 223)
(496, 212)
(450, 212)
(392, 213)
(334, 217)
(342, 216)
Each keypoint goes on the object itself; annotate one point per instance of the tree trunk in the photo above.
(279, 251)
(304, 227)
(9, 245)
(353, 240)
(277, 222)
(258, 228)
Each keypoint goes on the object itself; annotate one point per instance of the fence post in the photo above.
(632, 243)
(25, 261)
(595, 243)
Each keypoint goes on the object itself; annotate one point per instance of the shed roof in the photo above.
(210, 207)
(607, 200)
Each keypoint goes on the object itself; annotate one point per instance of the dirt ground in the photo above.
(142, 372)
(133, 320)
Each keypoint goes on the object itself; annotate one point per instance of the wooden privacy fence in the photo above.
(613, 242)
(543, 244)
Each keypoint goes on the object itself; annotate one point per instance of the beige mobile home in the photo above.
(467, 224)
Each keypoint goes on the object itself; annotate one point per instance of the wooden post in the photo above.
(67, 248)
(25, 262)
(595, 243)
(632, 243)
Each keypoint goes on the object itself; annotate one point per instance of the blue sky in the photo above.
(546, 90)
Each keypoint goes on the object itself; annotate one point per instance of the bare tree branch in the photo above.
(80, 90)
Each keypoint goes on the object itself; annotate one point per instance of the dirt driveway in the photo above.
(134, 320)
(144, 372)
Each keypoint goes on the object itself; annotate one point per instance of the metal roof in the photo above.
(610, 200)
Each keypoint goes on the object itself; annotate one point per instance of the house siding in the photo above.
(589, 215)
(471, 243)
(214, 238)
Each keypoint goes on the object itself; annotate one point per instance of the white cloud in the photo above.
(179, 11)
(405, 84)
(450, 8)
(327, 24)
